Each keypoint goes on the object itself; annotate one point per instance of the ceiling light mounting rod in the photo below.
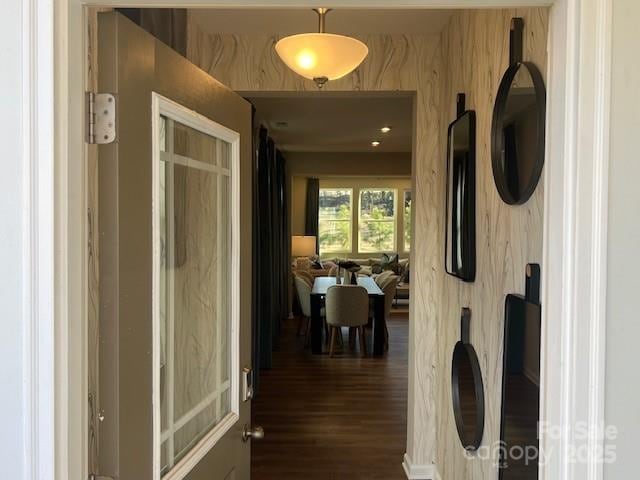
(322, 12)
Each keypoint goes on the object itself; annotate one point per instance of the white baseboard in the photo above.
(419, 472)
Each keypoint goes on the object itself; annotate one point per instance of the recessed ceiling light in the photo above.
(375, 143)
(385, 129)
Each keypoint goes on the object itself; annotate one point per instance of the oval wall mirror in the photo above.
(518, 127)
(467, 389)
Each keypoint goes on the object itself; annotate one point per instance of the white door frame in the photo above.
(575, 241)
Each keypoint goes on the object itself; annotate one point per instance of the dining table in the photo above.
(318, 295)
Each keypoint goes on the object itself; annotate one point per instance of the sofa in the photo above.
(369, 266)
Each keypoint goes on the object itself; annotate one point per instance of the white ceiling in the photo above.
(342, 21)
(325, 122)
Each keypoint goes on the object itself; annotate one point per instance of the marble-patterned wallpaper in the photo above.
(475, 52)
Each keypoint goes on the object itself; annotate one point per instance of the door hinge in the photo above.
(101, 118)
(93, 476)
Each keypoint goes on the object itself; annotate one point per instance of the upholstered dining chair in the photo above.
(389, 287)
(382, 277)
(303, 289)
(306, 275)
(347, 306)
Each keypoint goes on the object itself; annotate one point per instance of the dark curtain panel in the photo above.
(311, 214)
(256, 281)
(271, 247)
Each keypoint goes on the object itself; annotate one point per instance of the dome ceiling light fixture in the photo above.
(321, 56)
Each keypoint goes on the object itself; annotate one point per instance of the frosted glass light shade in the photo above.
(321, 56)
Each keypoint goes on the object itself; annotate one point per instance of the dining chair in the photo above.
(306, 275)
(388, 287)
(388, 284)
(347, 306)
(382, 277)
(303, 289)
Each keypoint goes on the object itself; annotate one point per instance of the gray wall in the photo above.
(12, 210)
(327, 164)
(623, 320)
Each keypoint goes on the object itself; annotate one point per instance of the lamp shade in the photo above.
(321, 56)
(303, 245)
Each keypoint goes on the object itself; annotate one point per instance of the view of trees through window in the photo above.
(376, 225)
(407, 220)
(334, 220)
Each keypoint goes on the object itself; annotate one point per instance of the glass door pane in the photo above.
(194, 208)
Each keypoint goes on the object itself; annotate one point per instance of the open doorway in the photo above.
(347, 166)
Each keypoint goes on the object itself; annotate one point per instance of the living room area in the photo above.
(345, 188)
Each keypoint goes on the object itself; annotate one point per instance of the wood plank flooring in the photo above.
(332, 418)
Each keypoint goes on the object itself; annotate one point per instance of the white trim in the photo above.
(575, 241)
(38, 227)
(191, 163)
(569, 135)
(419, 472)
(176, 112)
(191, 414)
(199, 450)
(155, 277)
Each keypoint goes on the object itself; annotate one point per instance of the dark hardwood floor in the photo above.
(332, 418)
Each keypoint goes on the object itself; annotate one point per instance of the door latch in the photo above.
(247, 384)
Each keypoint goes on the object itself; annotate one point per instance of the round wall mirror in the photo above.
(517, 131)
(467, 390)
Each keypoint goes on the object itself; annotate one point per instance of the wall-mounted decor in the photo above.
(521, 381)
(460, 204)
(518, 127)
(467, 389)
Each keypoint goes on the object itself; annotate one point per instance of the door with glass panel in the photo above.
(175, 274)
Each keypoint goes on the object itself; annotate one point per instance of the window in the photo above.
(334, 220)
(376, 222)
(406, 220)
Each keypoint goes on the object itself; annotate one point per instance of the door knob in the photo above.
(255, 433)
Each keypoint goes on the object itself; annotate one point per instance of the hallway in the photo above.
(332, 418)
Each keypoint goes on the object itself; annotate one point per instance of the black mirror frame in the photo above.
(531, 296)
(497, 138)
(469, 275)
(463, 347)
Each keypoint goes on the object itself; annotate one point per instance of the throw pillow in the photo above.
(404, 278)
(390, 262)
(303, 263)
(376, 266)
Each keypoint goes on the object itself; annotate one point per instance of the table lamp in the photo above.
(303, 246)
